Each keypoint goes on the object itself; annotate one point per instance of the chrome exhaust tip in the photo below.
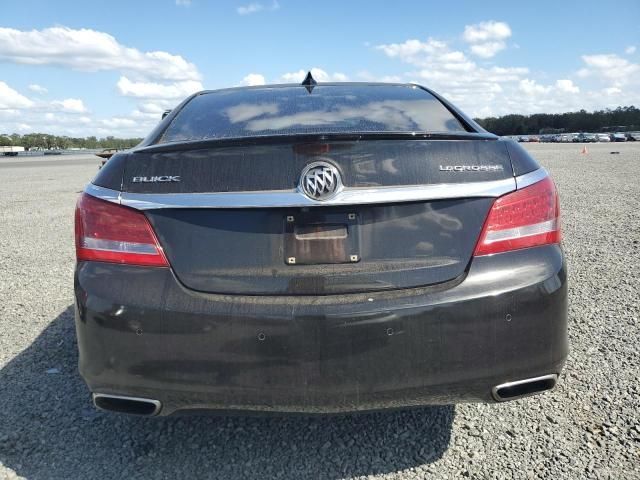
(523, 388)
(130, 405)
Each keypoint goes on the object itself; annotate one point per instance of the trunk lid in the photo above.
(326, 248)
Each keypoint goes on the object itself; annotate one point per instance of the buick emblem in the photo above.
(320, 181)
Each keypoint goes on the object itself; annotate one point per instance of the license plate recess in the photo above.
(318, 237)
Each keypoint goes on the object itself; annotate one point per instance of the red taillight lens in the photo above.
(522, 219)
(107, 232)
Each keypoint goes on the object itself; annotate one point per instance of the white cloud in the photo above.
(10, 99)
(630, 50)
(451, 73)
(583, 72)
(367, 76)
(159, 80)
(486, 38)
(92, 51)
(485, 31)
(500, 89)
(611, 67)
(38, 89)
(153, 90)
(432, 54)
(567, 86)
(249, 9)
(151, 108)
(59, 121)
(530, 87)
(70, 116)
(612, 91)
(138, 123)
(453, 57)
(413, 51)
(118, 122)
(606, 61)
(139, 116)
(256, 7)
(318, 74)
(487, 50)
(72, 105)
(183, 3)
(253, 79)
(482, 90)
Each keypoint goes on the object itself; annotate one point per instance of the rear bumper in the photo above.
(142, 334)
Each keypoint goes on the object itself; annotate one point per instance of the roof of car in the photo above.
(319, 84)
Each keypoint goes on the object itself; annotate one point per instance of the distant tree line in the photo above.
(620, 119)
(34, 141)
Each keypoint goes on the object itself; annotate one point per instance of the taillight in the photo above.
(522, 219)
(107, 232)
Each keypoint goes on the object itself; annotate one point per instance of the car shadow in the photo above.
(49, 429)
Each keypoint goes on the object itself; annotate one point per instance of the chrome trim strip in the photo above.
(531, 178)
(103, 193)
(293, 198)
(494, 390)
(155, 403)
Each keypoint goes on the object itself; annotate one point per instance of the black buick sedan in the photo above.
(318, 248)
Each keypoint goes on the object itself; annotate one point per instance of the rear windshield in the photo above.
(295, 111)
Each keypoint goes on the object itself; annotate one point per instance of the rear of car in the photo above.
(618, 137)
(318, 249)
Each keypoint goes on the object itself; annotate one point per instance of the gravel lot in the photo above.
(589, 427)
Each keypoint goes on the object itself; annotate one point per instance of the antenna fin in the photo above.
(309, 82)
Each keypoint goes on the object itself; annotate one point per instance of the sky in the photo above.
(111, 67)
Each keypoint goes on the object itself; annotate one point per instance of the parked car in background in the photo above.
(11, 151)
(633, 136)
(589, 138)
(385, 252)
(106, 154)
(603, 137)
(618, 137)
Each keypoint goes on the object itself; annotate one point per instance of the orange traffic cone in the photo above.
(584, 150)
